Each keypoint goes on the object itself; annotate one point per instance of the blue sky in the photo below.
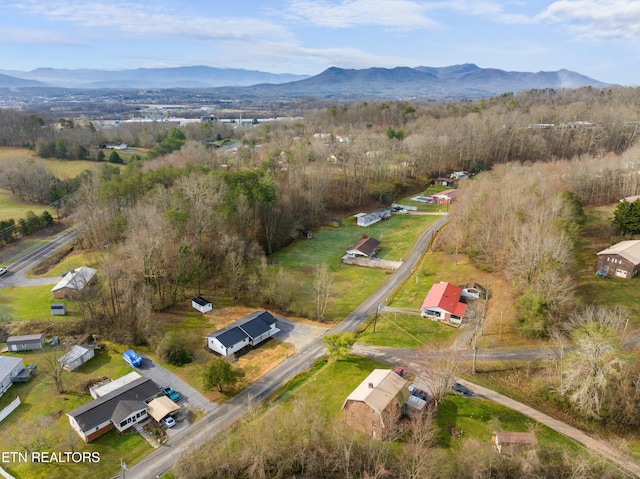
(598, 38)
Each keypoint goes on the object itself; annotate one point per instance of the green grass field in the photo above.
(33, 303)
(351, 284)
(406, 331)
(42, 415)
(327, 384)
(594, 289)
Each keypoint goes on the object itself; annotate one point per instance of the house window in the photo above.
(123, 423)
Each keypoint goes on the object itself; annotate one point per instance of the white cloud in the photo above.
(34, 36)
(400, 14)
(150, 20)
(596, 19)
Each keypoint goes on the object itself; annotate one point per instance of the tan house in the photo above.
(73, 282)
(508, 443)
(371, 407)
(622, 259)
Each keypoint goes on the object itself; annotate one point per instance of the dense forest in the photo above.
(209, 202)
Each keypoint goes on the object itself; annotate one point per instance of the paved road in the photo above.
(164, 458)
(17, 275)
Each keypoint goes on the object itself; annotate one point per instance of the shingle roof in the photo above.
(125, 408)
(251, 326)
(445, 296)
(100, 410)
(516, 438)
(230, 336)
(629, 250)
(365, 246)
(201, 301)
(379, 389)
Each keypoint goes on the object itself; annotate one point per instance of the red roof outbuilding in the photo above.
(445, 296)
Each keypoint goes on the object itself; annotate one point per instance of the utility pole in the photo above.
(123, 467)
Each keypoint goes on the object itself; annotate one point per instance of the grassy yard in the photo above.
(42, 415)
(410, 330)
(594, 289)
(351, 284)
(34, 303)
(407, 331)
(328, 384)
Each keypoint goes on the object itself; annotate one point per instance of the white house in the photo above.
(367, 219)
(248, 331)
(443, 303)
(201, 304)
(120, 409)
(9, 368)
(76, 357)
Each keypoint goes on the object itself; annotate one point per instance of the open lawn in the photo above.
(406, 331)
(73, 261)
(42, 416)
(327, 384)
(11, 208)
(593, 289)
(410, 330)
(480, 418)
(34, 303)
(351, 284)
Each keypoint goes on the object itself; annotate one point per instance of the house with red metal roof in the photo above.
(443, 303)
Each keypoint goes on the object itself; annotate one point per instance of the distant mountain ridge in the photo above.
(455, 81)
(179, 77)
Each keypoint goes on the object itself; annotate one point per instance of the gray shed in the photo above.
(76, 357)
(26, 342)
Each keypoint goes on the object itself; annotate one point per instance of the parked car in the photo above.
(415, 391)
(3, 271)
(173, 395)
(132, 358)
(460, 389)
(169, 421)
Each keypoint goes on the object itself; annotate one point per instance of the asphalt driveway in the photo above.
(165, 378)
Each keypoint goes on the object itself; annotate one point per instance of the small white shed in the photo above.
(201, 304)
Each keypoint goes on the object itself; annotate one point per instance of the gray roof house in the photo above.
(73, 282)
(120, 409)
(26, 342)
(248, 331)
(10, 367)
(77, 356)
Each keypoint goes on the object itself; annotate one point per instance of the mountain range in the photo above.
(456, 81)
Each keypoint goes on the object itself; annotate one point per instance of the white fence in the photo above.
(9, 409)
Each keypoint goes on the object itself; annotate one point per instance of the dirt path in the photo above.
(613, 455)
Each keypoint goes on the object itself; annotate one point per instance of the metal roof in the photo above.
(379, 389)
(629, 250)
(161, 406)
(445, 296)
(25, 338)
(76, 279)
